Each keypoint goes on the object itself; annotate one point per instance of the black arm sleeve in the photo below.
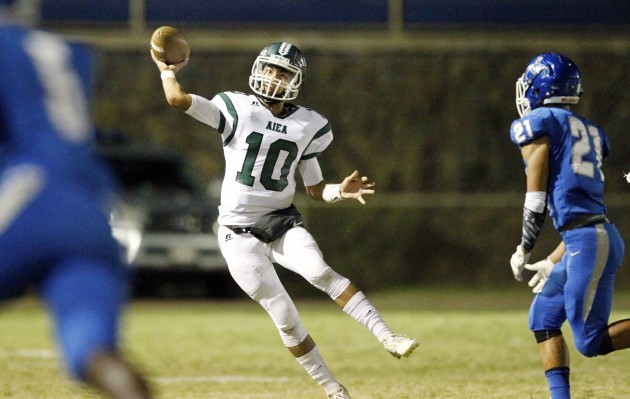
(532, 225)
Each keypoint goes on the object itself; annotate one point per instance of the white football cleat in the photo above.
(340, 393)
(399, 345)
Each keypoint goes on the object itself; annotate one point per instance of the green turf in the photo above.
(473, 345)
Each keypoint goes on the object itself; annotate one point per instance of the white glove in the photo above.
(542, 269)
(518, 261)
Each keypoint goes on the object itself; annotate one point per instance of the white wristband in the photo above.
(167, 74)
(536, 201)
(332, 193)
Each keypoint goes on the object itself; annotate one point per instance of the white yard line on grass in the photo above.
(224, 378)
(32, 353)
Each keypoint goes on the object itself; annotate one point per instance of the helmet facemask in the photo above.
(522, 102)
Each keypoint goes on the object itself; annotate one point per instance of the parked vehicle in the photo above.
(164, 220)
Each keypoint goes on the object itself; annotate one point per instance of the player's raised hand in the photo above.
(165, 67)
(354, 186)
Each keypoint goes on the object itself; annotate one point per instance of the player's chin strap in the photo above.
(533, 218)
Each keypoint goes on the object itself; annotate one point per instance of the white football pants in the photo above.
(250, 262)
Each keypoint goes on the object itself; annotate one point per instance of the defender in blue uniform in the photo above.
(54, 229)
(563, 154)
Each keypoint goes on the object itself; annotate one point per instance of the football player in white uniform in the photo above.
(265, 139)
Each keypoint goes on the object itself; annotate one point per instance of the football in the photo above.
(169, 45)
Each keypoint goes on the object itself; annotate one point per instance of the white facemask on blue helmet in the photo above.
(281, 55)
(549, 78)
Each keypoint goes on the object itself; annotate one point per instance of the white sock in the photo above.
(362, 310)
(317, 369)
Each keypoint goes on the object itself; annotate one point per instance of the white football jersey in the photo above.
(261, 152)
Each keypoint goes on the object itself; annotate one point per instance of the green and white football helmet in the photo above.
(283, 55)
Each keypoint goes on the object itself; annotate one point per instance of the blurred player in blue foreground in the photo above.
(54, 230)
(563, 153)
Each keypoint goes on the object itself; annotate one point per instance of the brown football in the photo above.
(170, 45)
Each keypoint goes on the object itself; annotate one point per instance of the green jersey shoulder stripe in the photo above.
(322, 131)
(221, 127)
(309, 156)
(232, 111)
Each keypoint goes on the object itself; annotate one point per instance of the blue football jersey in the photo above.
(55, 190)
(577, 149)
(45, 112)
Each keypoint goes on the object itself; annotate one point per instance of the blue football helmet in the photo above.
(283, 55)
(549, 78)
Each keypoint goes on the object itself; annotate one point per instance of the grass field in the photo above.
(473, 345)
